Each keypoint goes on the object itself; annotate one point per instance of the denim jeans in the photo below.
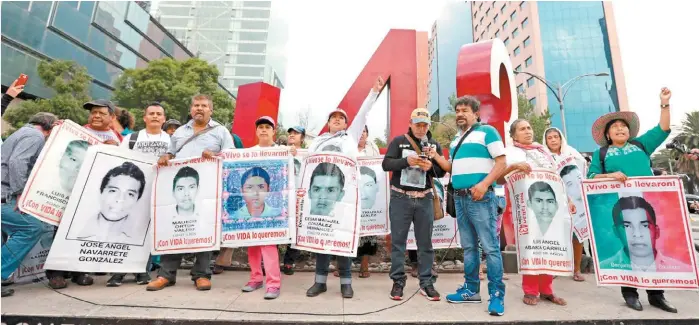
(478, 220)
(23, 232)
(344, 265)
(404, 211)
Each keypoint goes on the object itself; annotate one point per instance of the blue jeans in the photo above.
(23, 232)
(478, 220)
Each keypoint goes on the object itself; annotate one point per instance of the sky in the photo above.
(330, 41)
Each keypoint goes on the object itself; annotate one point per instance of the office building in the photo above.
(446, 38)
(244, 39)
(560, 41)
(106, 37)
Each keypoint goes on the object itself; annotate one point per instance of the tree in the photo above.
(689, 137)
(452, 102)
(539, 121)
(306, 121)
(445, 130)
(172, 83)
(71, 83)
(380, 143)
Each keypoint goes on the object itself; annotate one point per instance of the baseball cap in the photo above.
(100, 103)
(265, 120)
(420, 115)
(299, 129)
(171, 122)
(339, 110)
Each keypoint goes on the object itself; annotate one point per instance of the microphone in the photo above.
(425, 144)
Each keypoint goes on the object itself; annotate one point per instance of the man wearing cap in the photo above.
(346, 140)
(622, 154)
(296, 138)
(200, 137)
(171, 126)
(100, 121)
(412, 200)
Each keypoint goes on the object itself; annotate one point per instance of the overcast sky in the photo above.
(330, 42)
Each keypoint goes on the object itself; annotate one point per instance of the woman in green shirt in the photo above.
(628, 155)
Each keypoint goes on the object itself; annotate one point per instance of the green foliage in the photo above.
(172, 83)
(445, 130)
(71, 83)
(380, 143)
(452, 102)
(539, 122)
(689, 136)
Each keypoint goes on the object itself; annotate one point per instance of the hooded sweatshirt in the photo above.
(567, 154)
(346, 141)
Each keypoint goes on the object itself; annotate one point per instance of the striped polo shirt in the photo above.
(476, 156)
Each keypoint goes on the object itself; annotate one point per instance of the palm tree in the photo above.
(689, 137)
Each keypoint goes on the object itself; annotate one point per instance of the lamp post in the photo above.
(560, 91)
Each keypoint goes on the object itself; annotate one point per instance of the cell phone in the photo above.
(22, 79)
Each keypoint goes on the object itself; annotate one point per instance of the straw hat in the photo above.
(598, 128)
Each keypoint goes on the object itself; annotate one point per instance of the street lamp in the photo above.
(561, 91)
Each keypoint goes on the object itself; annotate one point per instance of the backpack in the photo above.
(132, 140)
(603, 153)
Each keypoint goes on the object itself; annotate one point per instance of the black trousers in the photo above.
(633, 292)
(291, 255)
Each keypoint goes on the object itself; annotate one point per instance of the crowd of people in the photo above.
(479, 161)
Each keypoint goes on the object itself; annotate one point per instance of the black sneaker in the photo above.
(288, 269)
(430, 293)
(397, 291)
(142, 278)
(316, 289)
(6, 292)
(115, 280)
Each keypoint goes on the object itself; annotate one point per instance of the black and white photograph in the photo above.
(412, 176)
(186, 206)
(105, 227)
(51, 181)
(373, 196)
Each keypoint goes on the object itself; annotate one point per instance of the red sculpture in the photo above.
(254, 100)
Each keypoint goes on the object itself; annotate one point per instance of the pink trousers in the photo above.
(537, 284)
(270, 255)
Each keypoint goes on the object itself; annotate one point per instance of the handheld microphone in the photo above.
(425, 146)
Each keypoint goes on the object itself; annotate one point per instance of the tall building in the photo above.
(244, 39)
(560, 41)
(446, 38)
(106, 37)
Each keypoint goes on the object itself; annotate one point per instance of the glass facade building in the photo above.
(106, 37)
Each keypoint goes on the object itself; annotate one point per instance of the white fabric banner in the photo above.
(641, 234)
(542, 223)
(105, 227)
(259, 197)
(374, 196)
(572, 177)
(31, 269)
(301, 154)
(51, 180)
(444, 231)
(327, 204)
(186, 206)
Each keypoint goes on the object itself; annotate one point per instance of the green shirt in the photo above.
(237, 143)
(630, 159)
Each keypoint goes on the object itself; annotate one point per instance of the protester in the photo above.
(295, 140)
(477, 160)
(100, 121)
(201, 136)
(19, 153)
(171, 126)
(558, 147)
(152, 141)
(345, 139)
(124, 122)
(522, 157)
(623, 154)
(412, 202)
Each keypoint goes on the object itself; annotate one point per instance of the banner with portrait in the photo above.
(31, 269)
(186, 206)
(328, 213)
(51, 181)
(105, 225)
(259, 197)
(301, 154)
(641, 234)
(445, 230)
(542, 222)
(572, 177)
(374, 196)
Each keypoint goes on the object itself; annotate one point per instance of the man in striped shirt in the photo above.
(477, 162)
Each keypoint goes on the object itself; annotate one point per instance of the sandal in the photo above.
(364, 273)
(556, 300)
(336, 273)
(578, 277)
(218, 269)
(530, 300)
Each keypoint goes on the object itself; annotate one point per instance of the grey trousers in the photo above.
(403, 211)
(170, 263)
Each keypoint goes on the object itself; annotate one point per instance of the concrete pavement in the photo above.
(226, 304)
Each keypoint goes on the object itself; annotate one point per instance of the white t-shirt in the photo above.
(104, 135)
(151, 144)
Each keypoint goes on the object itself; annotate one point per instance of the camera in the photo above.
(676, 145)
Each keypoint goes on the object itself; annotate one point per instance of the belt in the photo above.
(417, 194)
(467, 192)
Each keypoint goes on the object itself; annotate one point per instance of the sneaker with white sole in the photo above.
(252, 286)
(430, 293)
(272, 293)
(464, 296)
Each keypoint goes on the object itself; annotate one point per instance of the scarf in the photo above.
(537, 155)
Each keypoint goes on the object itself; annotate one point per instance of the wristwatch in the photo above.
(664, 105)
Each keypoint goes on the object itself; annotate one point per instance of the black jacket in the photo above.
(393, 161)
(6, 99)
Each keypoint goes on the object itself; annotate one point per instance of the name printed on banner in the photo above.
(552, 246)
(371, 214)
(100, 252)
(630, 184)
(644, 281)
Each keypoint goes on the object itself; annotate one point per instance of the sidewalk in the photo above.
(587, 304)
